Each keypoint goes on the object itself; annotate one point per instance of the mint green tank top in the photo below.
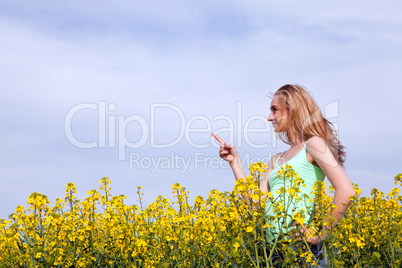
(310, 174)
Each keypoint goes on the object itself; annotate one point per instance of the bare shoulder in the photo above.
(273, 160)
(265, 184)
(316, 144)
(319, 152)
(271, 164)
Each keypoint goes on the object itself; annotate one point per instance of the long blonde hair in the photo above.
(306, 120)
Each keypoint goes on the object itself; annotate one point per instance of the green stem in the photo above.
(34, 242)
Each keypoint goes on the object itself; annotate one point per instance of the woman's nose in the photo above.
(270, 117)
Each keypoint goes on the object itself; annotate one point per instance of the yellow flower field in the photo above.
(216, 231)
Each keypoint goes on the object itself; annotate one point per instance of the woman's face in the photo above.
(279, 115)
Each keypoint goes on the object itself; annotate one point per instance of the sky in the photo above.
(131, 90)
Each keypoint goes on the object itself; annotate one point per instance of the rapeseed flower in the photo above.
(217, 231)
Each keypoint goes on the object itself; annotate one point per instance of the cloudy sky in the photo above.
(131, 90)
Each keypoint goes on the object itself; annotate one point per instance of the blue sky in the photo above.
(204, 60)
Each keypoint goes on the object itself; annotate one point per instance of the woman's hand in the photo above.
(227, 152)
(303, 232)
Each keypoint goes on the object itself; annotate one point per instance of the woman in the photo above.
(315, 152)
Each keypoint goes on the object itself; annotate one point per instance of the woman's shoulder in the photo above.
(319, 152)
(271, 165)
(316, 143)
(273, 160)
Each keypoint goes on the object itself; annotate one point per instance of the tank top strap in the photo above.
(305, 144)
(276, 162)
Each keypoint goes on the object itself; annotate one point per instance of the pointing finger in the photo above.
(218, 138)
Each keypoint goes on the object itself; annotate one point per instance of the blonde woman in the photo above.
(314, 153)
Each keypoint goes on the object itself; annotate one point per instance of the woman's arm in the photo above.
(344, 189)
(229, 153)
